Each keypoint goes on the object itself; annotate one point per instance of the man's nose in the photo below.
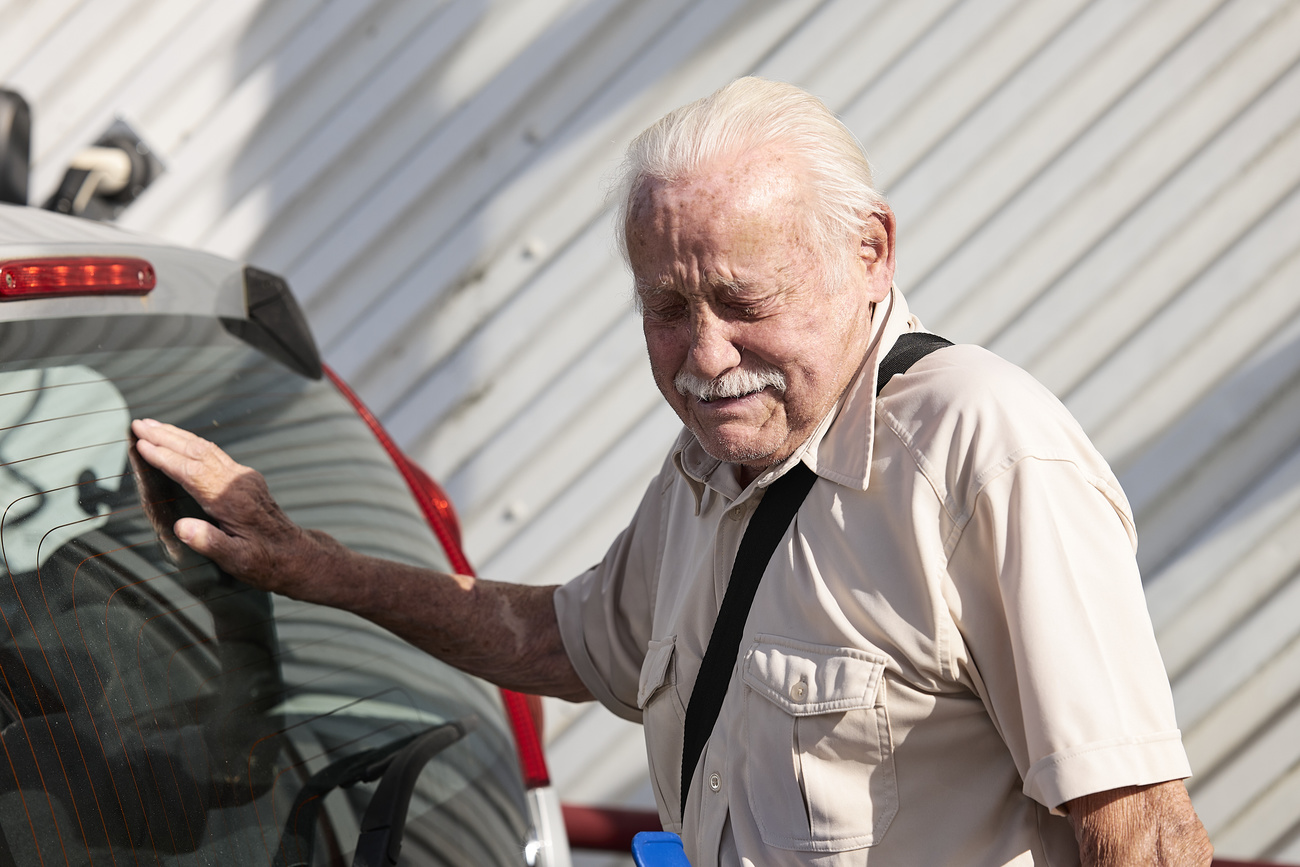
(713, 350)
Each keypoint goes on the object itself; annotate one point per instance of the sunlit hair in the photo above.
(748, 116)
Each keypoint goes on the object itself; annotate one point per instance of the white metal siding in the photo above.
(1106, 192)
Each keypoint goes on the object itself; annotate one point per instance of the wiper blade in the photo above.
(397, 766)
(385, 818)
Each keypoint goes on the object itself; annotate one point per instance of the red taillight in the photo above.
(79, 275)
(432, 497)
(525, 712)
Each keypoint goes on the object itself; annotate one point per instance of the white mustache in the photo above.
(733, 383)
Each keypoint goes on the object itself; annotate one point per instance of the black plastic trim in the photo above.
(385, 819)
(397, 766)
(15, 147)
(276, 324)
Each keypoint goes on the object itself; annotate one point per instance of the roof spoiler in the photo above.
(15, 147)
(276, 324)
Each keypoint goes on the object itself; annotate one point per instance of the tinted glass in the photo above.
(155, 710)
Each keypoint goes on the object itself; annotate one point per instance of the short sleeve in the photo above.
(605, 613)
(1049, 603)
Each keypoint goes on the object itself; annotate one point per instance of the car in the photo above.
(153, 709)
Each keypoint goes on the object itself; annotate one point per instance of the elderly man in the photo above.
(948, 658)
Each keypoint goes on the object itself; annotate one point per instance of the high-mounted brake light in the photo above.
(75, 275)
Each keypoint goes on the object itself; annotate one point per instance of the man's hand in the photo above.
(505, 633)
(255, 541)
(1139, 826)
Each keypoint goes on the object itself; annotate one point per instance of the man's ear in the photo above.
(876, 252)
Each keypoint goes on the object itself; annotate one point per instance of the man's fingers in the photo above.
(200, 466)
(203, 538)
(170, 437)
(180, 467)
(233, 554)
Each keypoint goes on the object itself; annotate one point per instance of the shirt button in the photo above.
(799, 691)
(715, 782)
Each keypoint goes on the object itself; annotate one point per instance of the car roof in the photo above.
(189, 281)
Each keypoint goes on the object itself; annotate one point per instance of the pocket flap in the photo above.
(806, 679)
(655, 668)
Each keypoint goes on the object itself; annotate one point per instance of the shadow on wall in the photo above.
(394, 177)
(442, 220)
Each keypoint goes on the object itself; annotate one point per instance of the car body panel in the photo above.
(189, 281)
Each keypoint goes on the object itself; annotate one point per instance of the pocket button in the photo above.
(799, 691)
(715, 782)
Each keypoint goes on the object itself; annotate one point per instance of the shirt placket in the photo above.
(715, 782)
(715, 793)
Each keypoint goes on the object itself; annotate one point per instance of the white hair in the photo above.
(748, 116)
(737, 382)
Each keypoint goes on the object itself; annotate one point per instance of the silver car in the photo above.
(154, 710)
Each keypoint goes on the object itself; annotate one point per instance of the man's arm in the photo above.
(1150, 826)
(505, 633)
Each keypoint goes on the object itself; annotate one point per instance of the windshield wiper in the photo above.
(397, 766)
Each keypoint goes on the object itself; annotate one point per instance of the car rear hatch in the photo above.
(152, 708)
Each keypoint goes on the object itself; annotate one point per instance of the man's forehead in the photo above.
(726, 189)
(754, 184)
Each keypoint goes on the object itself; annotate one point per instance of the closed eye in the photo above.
(745, 311)
(665, 314)
(741, 302)
(662, 308)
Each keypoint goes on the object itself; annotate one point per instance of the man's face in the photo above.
(747, 343)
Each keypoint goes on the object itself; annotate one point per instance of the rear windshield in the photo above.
(153, 710)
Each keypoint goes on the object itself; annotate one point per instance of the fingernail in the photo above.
(184, 532)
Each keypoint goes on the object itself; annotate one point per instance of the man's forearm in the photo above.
(1140, 826)
(504, 633)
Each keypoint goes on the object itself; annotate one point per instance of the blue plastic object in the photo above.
(658, 849)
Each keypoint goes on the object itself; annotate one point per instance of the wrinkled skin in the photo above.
(727, 278)
(1140, 826)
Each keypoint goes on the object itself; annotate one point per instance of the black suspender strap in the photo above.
(910, 348)
(780, 501)
(766, 529)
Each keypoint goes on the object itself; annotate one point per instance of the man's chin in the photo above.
(735, 450)
(740, 434)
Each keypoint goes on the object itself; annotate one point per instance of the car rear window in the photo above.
(155, 710)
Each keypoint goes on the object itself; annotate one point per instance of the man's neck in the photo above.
(746, 474)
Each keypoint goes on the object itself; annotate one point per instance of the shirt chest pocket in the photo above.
(820, 773)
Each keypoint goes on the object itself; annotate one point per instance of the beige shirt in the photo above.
(950, 641)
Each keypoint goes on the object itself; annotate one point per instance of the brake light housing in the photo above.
(62, 277)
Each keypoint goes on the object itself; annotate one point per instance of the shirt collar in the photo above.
(840, 448)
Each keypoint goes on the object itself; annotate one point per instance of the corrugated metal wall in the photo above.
(1104, 191)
